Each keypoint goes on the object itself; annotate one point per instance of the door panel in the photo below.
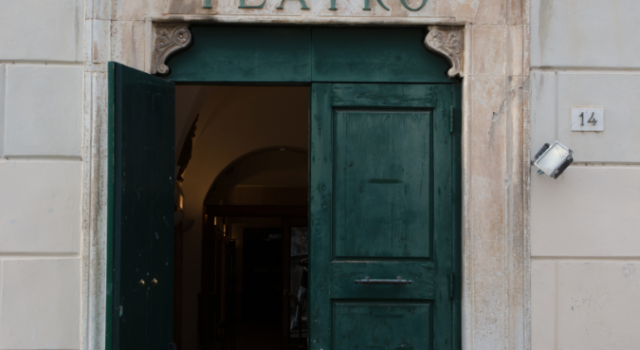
(381, 208)
(401, 96)
(382, 191)
(381, 325)
(141, 113)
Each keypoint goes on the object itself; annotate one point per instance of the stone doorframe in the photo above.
(492, 61)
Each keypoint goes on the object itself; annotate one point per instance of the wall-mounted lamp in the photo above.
(224, 227)
(553, 159)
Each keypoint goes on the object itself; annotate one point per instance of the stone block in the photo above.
(618, 94)
(589, 211)
(487, 148)
(40, 304)
(598, 305)
(129, 38)
(488, 53)
(491, 12)
(40, 206)
(585, 33)
(136, 10)
(515, 11)
(195, 7)
(41, 30)
(43, 115)
(543, 109)
(97, 49)
(543, 305)
(98, 9)
(515, 49)
(2, 107)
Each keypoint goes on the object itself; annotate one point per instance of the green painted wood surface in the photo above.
(375, 55)
(456, 190)
(397, 162)
(422, 273)
(111, 85)
(141, 109)
(320, 212)
(247, 54)
(382, 171)
(382, 325)
(244, 54)
(403, 96)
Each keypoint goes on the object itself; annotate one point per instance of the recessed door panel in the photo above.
(382, 183)
(382, 325)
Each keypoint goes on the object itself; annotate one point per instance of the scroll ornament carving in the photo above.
(169, 41)
(449, 42)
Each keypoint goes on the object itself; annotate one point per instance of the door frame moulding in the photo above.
(495, 200)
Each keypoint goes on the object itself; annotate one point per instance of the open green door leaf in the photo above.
(140, 222)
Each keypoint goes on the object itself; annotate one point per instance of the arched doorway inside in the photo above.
(254, 248)
(242, 155)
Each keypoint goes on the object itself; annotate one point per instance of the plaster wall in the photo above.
(585, 246)
(41, 174)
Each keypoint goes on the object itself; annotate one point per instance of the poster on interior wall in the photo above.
(299, 280)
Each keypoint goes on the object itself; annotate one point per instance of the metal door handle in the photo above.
(397, 281)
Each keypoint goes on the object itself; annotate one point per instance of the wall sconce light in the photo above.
(553, 159)
(224, 227)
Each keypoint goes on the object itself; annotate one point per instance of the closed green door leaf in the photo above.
(140, 242)
(381, 215)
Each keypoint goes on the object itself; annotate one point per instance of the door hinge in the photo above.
(451, 284)
(451, 119)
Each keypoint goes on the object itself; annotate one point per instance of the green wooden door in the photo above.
(141, 155)
(382, 209)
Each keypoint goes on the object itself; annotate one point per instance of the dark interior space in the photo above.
(259, 281)
(254, 242)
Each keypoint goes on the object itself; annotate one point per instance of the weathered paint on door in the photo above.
(384, 186)
(140, 264)
(381, 207)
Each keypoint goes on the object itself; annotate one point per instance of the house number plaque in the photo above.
(587, 119)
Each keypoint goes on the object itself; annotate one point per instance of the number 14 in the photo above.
(593, 121)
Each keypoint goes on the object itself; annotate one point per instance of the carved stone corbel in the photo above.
(168, 40)
(449, 42)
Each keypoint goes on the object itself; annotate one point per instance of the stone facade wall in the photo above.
(585, 236)
(584, 243)
(41, 173)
